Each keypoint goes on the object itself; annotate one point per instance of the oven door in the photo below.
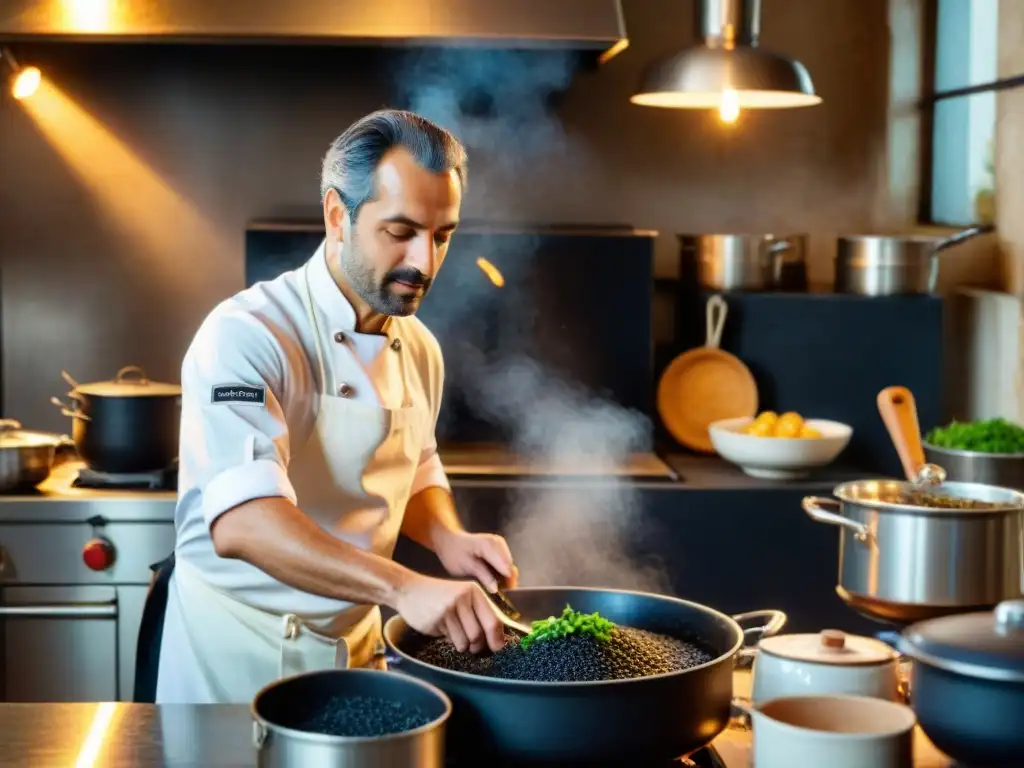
(59, 644)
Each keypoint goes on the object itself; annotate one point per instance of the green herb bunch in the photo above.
(569, 623)
(990, 436)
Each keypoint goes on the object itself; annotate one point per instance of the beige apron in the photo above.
(353, 477)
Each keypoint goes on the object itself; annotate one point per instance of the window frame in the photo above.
(926, 107)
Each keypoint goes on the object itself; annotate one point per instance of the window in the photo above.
(959, 184)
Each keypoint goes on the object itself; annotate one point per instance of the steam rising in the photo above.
(560, 533)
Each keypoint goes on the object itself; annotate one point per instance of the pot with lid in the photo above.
(828, 663)
(876, 265)
(26, 456)
(967, 684)
(125, 426)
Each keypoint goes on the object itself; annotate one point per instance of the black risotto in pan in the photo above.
(354, 716)
(569, 655)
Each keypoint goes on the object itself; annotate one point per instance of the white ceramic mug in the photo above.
(832, 732)
(828, 663)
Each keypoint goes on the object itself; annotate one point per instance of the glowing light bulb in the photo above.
(26, 83)
(729, 111)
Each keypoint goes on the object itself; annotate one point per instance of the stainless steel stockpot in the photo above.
(902, 563)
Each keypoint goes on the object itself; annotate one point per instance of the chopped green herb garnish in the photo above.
(990, 436)
(569, 623)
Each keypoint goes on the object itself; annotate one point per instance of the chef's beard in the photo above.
(377, 293)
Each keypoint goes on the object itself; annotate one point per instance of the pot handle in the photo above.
(774, 622)
(71, 413)
(813, 507)
(383, 653)
(776, 250)
(745, 707)
(717, 310)
(966, 234)
(259, 734)
(741, 717)
(69, 379)
(131, 371)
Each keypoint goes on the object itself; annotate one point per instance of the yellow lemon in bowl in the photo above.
(788, 428)
(790, 425)
(760, 429)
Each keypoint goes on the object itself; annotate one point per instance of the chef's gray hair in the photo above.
(352, 159)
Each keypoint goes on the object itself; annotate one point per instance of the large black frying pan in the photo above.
(644, 719)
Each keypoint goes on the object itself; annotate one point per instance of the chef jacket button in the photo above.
(339, 337)
(396, 345)
(346, 390)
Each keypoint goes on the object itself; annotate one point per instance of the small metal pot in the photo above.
(26, 457)
(128, 425)
(874, 265)
(280, 708)
(737, 262)
(901, 563)
(967, 684)
(1003, 469)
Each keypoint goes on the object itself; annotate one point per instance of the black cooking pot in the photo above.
(967, 684)
(654, 718)
(128, 425)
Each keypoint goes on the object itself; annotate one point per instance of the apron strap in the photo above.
(151, 632)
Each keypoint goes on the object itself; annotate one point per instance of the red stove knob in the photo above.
(98, 554)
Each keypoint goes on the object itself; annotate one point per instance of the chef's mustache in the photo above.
(409, 276)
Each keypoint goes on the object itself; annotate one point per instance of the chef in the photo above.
(309, 408)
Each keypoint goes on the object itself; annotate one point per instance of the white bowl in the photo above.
(779, 458)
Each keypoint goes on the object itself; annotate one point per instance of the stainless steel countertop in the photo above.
(110, 735)
(57, 500)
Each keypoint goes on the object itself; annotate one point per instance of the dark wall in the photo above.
(126, 184)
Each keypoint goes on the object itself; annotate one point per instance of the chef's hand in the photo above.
(458, 610)
(479, 556)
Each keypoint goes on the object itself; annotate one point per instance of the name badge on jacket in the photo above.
(239, 394)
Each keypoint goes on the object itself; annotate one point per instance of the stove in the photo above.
(489, 461)
(704, 758)
(76, 564)
(159, 480)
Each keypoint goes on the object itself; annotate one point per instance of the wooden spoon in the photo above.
(899, 412)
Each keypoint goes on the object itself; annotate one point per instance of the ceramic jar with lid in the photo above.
(828, 663)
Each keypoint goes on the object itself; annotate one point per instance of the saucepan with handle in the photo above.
(921, 548)
(879, 265)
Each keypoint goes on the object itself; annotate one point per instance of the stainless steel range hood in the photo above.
(585, 25)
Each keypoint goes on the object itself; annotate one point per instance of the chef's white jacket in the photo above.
(260, 342)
